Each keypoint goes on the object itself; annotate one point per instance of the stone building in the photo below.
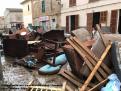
(50, 14)
(1, 23)
(44, 13)
(13, 17)
(27, 12)
(87, 13)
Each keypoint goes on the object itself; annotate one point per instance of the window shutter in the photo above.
(72, 3)
(113, 23)
(103, 17)
(43, 6)
(67, 24)
(89, 21)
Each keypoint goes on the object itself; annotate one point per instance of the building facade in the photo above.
(36, 12)
(50, 14)
(1, 23)
(87, 13)
(13, 17)
(27, 12)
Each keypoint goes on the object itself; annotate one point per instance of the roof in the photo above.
(24, 1)
(14, 9)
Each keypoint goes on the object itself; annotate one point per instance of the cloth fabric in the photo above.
(31, 62)
(113, 84)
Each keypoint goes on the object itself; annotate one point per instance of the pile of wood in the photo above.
(98, 69)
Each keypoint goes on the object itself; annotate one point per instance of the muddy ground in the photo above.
(19, 76)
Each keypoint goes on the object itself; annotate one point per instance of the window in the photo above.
(43, 6)
(72, 3)
(28, 7)
(53, 20)
(103, 17)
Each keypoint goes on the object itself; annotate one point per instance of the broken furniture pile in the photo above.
(96, 66)
(46, 51)
(90, 61)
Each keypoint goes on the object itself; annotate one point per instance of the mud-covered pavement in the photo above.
(19, 76)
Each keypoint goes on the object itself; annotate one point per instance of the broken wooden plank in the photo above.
(91, 54)
(77, 79)
(98, 85)
(91, 60)
(64, 86)
(68, 88)
(37, 89)
(72, 75)
(99, 29)
(70, 78)
(85, 59)
(95, 68)
(33, 88)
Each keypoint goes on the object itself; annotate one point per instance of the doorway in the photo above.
(72, 22)
(119, 25)
(96, 19)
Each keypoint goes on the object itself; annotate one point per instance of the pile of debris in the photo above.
(90, 57)
(91, 60)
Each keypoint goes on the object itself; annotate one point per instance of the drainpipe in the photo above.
(32, 11)
(39, 11)
(50, 16)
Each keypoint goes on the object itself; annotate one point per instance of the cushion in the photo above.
(59, 60)
(49, 69)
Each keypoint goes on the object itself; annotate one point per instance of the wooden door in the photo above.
(76, 21)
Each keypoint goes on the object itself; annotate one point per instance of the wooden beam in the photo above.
(99, 29)
(93, 62)
(85, 59)
(70, 79)
(95, 68)
(74, 77)
(98, 85)
(91, 54)
(64, 86)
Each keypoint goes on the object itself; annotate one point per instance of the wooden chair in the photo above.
(53, 40)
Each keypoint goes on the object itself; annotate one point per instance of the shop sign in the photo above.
(44, 18)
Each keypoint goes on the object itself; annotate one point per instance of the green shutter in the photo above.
(43, 6)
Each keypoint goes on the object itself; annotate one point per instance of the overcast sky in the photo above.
(9, 4)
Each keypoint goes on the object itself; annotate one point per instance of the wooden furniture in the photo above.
(15, 47)
(97, 68)
(52, 41)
